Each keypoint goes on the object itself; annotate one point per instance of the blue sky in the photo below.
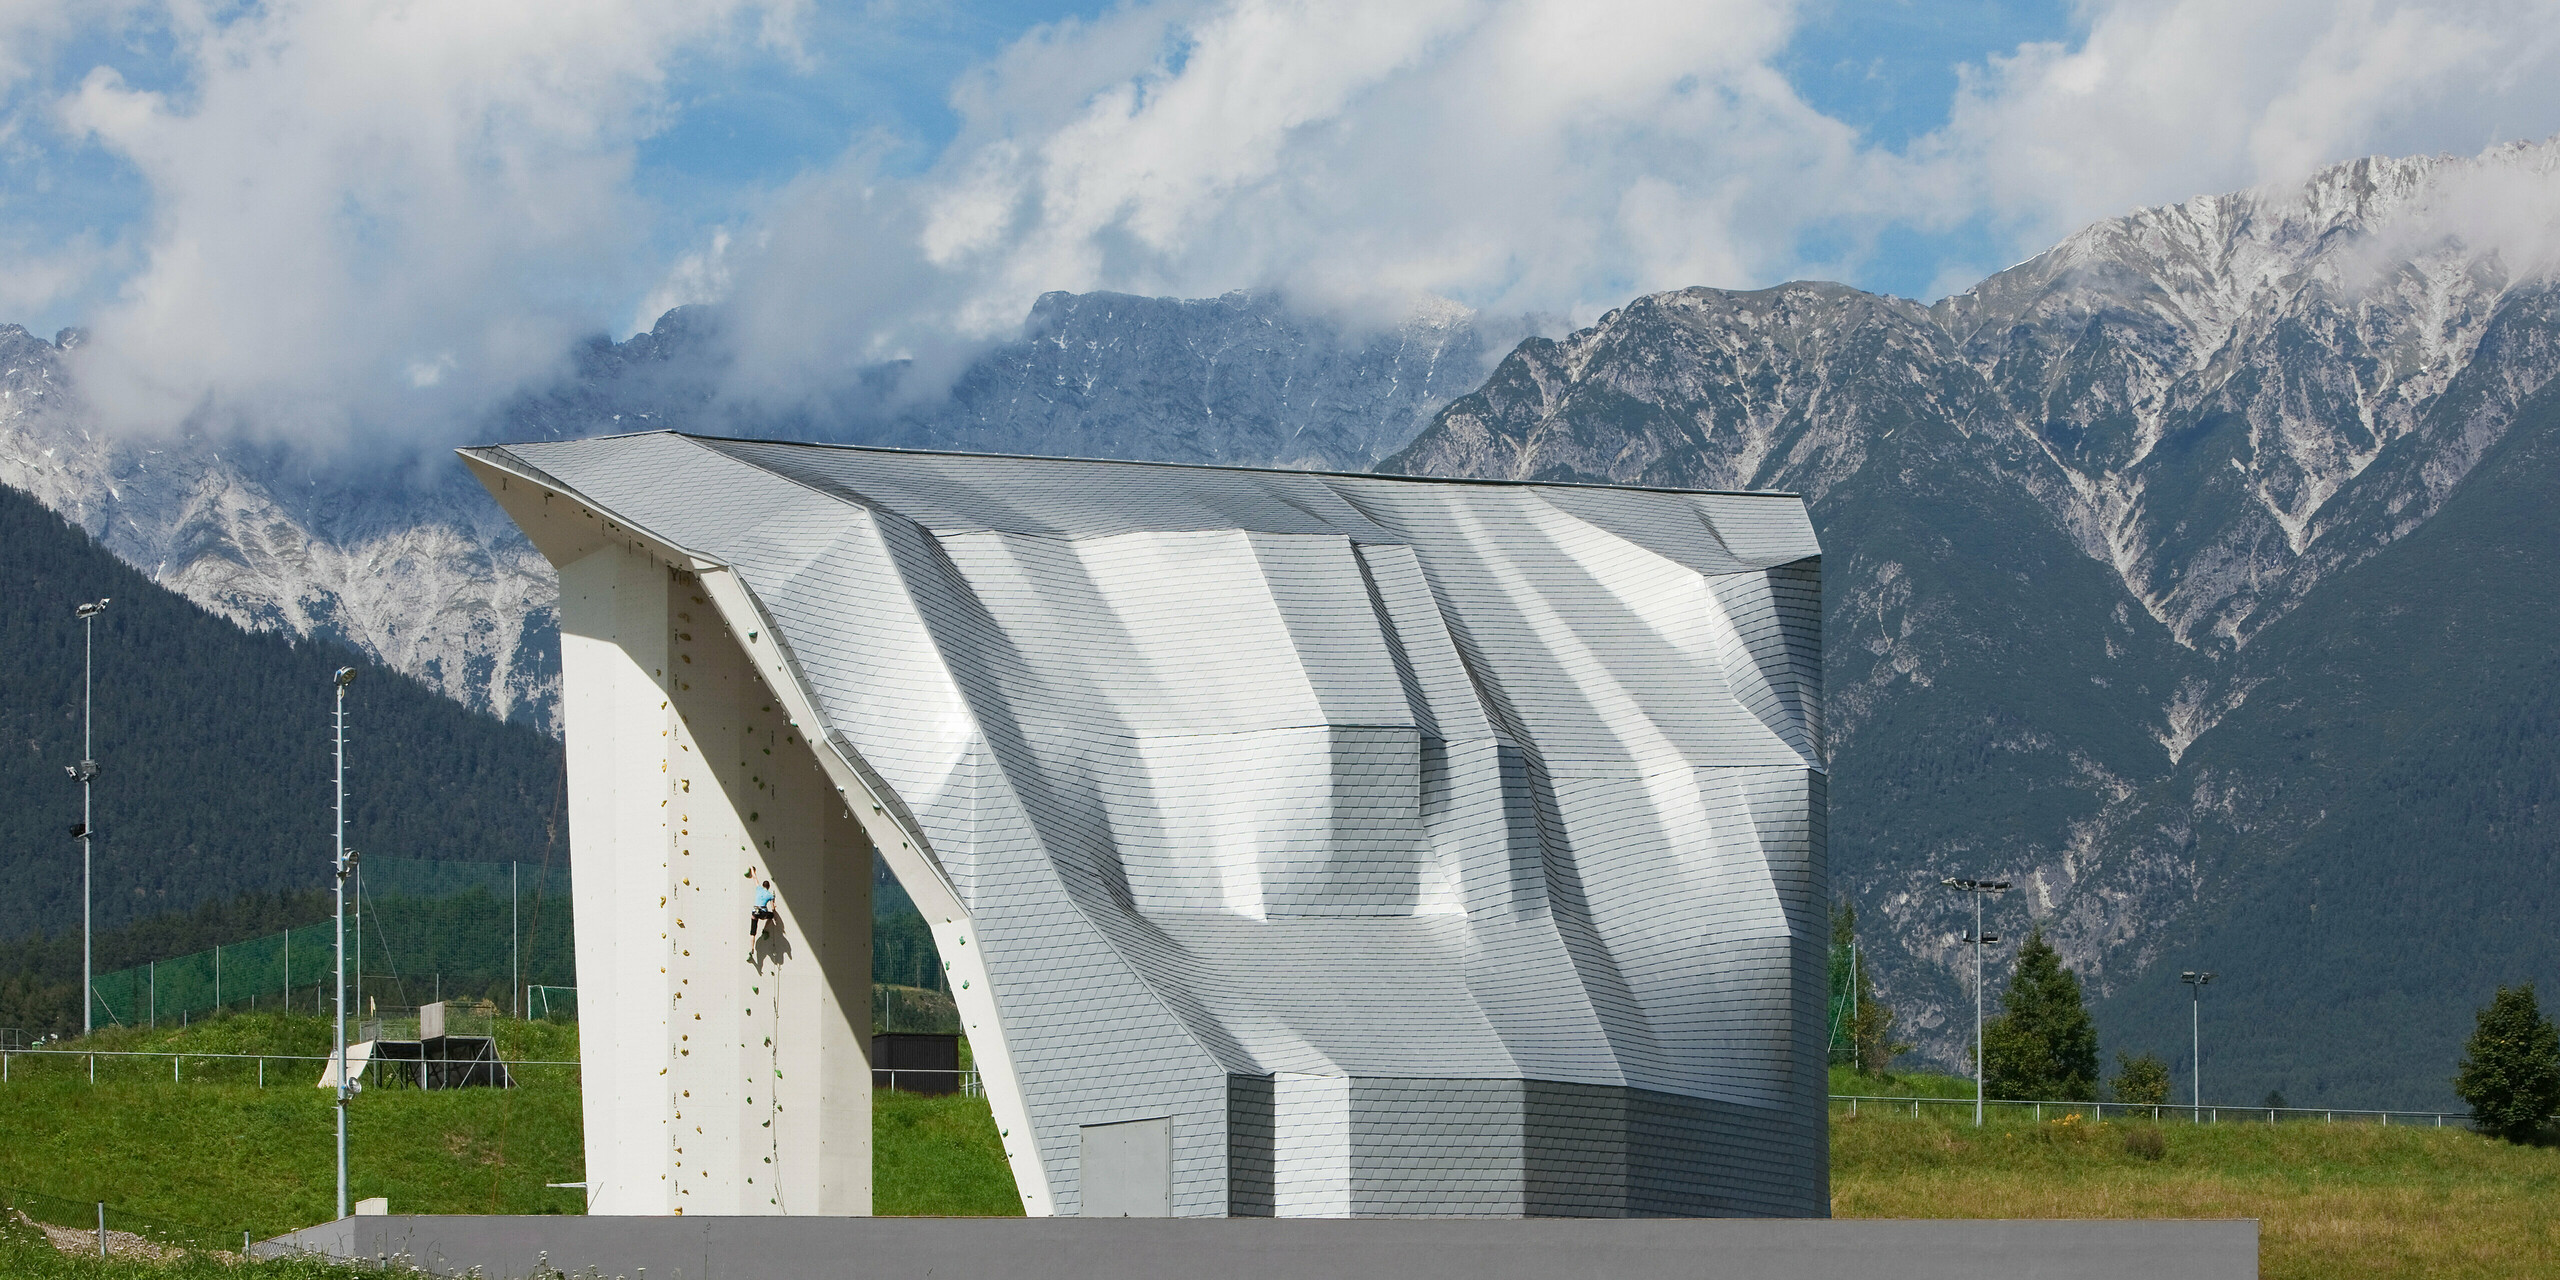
(372, 211)
(1888, 68)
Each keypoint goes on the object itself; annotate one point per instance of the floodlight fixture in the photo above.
(346, 676)
(91, 609)
(1977, 940)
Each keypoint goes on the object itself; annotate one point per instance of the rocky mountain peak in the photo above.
(2070, 515)
(2256, 353)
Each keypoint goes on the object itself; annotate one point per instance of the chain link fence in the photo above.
(2007, 1110)
(114, 1231)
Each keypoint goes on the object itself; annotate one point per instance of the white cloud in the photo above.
(376, 216)
(1526, 155)
(31, 31)
(698, 277)
(379, 215)
(2166, 99)
(39, 276)
(1556, 158)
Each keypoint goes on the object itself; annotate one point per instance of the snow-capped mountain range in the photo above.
(405, 558)
(2176, 573)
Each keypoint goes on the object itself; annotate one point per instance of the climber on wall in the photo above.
(764, 913)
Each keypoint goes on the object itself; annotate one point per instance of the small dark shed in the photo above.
(915, 1062)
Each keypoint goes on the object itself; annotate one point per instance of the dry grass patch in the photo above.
(2339, 1202)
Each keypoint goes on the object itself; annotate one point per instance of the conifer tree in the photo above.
(2511, 1068)
(2043, 1044)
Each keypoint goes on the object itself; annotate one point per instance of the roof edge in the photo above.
(699, 438)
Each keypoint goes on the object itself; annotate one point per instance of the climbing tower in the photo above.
(1296, 844)
(724, 1073)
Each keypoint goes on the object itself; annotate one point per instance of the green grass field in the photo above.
(2343, 1201)
(938, 1157)
(1847, 1082)
(214, 1150)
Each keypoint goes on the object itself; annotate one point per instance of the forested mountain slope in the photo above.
(215, 751)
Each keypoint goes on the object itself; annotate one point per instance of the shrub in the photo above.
(2142, 1081)
(2145, 1142)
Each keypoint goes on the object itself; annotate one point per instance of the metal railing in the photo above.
(2162, 1112)
(922, 1080)
(11, 1061)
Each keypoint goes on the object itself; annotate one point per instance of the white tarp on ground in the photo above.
(358, 1054)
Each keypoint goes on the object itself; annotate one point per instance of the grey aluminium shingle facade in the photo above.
(1370, 845)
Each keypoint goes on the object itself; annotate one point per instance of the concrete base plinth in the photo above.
(724, 1248)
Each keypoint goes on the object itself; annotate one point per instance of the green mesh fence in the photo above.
(461, 931)
(273, 972)
(416, 931)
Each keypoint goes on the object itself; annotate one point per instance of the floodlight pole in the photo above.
(1854, 985)
(87, 772)
(2195, 1040)
(345, 677)
(1977, 889)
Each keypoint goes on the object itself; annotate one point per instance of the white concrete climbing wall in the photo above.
(726, 1074)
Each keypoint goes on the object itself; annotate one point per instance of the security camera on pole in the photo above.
(86, 773)
(346, 676)
(1979, 939)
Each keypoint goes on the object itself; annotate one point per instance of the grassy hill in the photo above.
(2337, 1201)
(2334, 1201)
